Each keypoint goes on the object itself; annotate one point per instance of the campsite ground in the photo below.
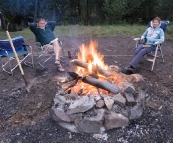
(24, 116)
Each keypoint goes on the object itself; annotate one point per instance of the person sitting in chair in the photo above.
(150, 36)
(44, 34)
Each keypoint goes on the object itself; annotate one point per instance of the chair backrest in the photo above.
(164, 24)
(18, 43)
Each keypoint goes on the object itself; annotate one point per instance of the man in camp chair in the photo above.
(152, 34)
(44, 34)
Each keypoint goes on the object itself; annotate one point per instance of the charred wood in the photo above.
(66, 86)
(101, 84)
(95, 69)
(72, 76)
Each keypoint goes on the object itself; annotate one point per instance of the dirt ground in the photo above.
(24, 116)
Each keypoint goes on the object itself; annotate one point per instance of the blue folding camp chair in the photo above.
(158, 52)
(7, 56)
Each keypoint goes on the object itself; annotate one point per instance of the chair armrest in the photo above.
(25, 45)
(157, 43)
(137, 39)
(60, 42)
(28, 47)
(38, 44)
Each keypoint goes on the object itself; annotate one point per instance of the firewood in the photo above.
(71, 76)
(101, 84)
(67, 79)
(66, 86)
(95, 69)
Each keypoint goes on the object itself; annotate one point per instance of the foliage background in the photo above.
(86, 12)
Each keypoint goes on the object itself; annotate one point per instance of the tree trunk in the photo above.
(35, 12)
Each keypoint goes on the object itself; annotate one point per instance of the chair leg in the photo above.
(161, 54)
(155, 55)
(42, 63)
(39, 48)
(10, 71)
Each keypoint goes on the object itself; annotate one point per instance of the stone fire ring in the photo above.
(97, 114)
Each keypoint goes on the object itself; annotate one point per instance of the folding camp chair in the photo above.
(158, 52)
(42, 53)
(7, 56)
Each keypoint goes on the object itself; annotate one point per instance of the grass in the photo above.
(91, 31)
(26, 33)
(100, 31)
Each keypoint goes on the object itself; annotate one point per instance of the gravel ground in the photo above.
(24, 116)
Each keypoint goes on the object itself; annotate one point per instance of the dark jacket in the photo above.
(44, 36)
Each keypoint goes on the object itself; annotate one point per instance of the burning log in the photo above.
(96, 69)
(66, 86)
(72, 76)
(101, 84)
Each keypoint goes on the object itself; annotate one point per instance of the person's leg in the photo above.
(48, 48)
(137, 50)
(136, 59)
(57, 51)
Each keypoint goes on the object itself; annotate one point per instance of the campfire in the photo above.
(97, 97)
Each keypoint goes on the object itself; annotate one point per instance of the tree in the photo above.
(36, 9)
(87, 12)
(14, 12)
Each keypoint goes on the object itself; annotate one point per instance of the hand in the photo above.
(146, 46)
(142, 41)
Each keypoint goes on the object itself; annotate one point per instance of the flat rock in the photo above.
(136, 112)
(91, 124)
(119, 99)
(81, 105)
(58, 114)
(114, 120)
(108, 102)
(100, 104)
(69, 126)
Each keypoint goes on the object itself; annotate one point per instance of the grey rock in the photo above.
(58, 114)
(74, 116)
(100, 103)
(136, 112)
(91, 124)
(119, 99)
(108, 102)
(97, 98)
(81, 105)
(69, 126)
(114, 120)
(129, 90)
(130, 99)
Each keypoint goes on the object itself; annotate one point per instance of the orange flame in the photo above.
(90, 55)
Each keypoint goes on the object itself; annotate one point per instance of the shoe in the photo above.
(129, 70)
(57, 62)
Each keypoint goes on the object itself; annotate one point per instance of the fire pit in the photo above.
(97, 97)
